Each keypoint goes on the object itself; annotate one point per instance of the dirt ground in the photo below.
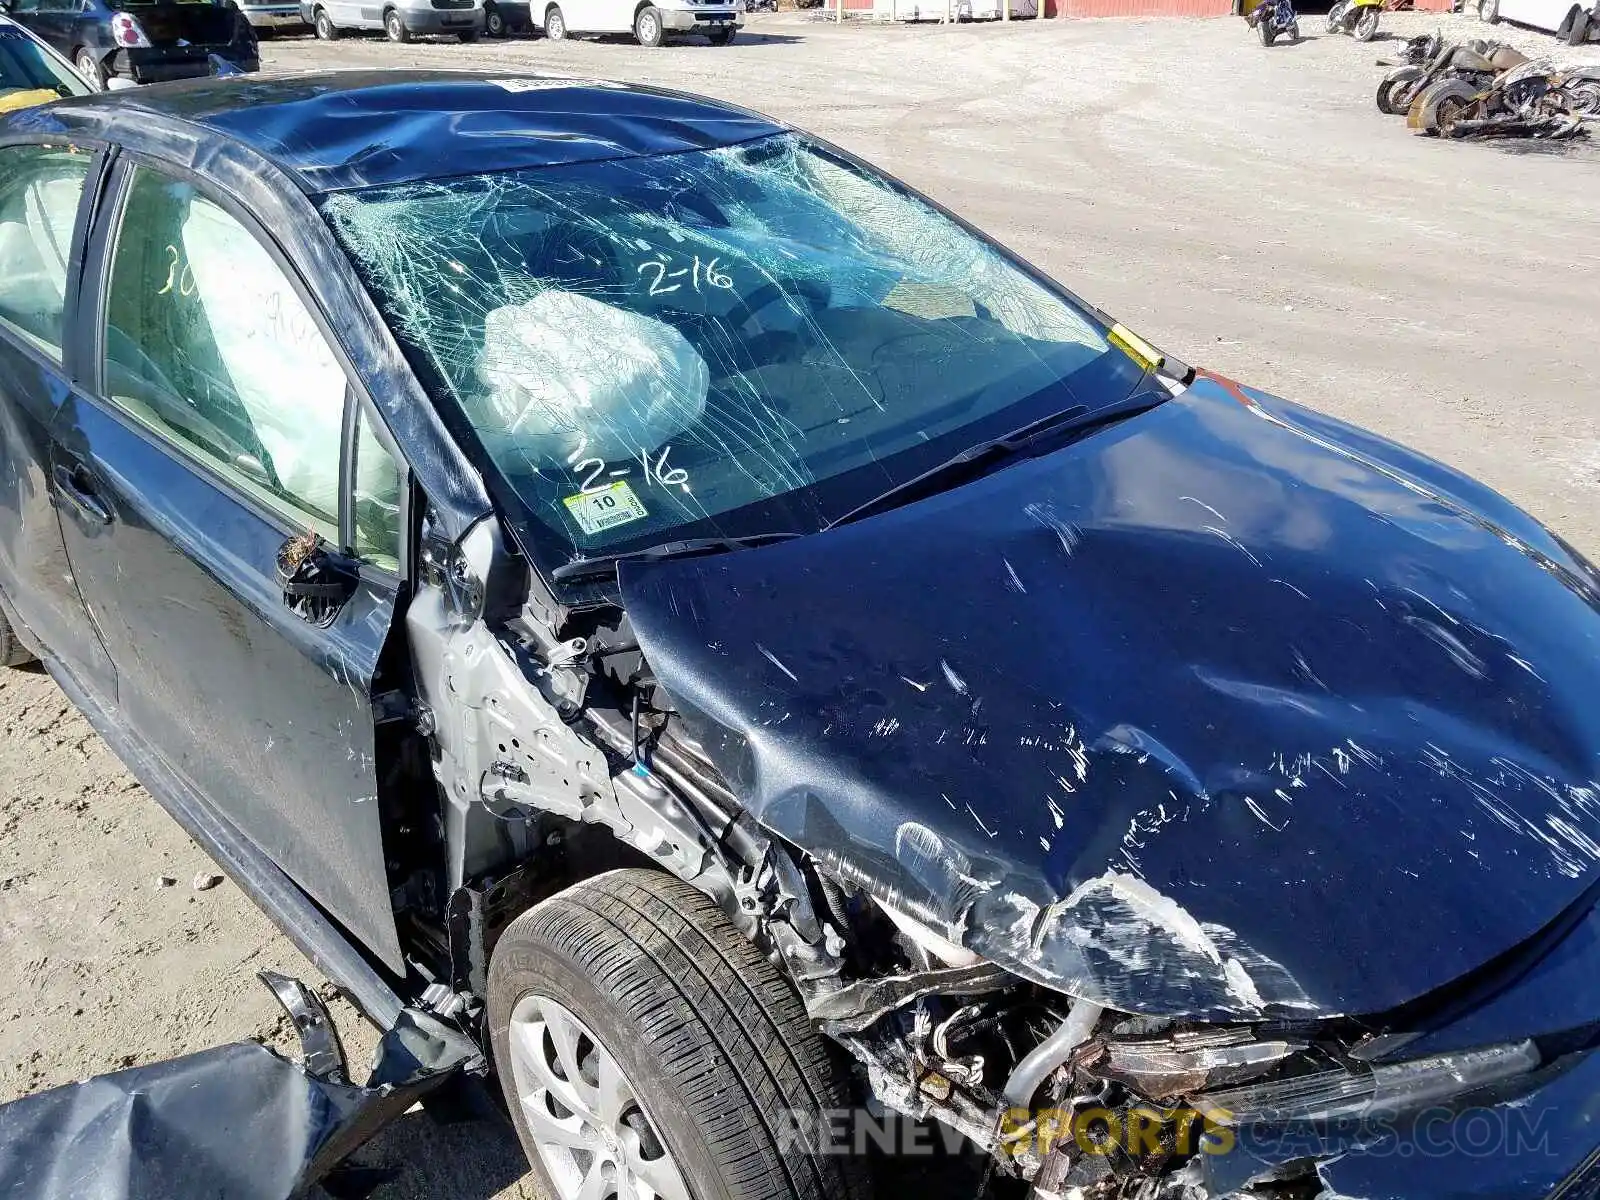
(1248, 209)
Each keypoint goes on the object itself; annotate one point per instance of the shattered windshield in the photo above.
(738, 341)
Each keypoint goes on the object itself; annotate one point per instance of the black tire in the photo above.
(1489, 11)
(1392, 98)
(1294, 32)
(91, 70)
(1578, 28)
(722, 37)
(1264, 28)
(322, 24)
(1366, 26)
(494, 24)
(1336, 16)
(647, 27)
(555, 25)
(394, 26)
(714, 1040)
(12, 652)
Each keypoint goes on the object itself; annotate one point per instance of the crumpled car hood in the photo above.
(1228, 710)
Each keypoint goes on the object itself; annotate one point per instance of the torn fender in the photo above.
(237, 1122)
(1227, 710)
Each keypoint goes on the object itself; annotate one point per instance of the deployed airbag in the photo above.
(569, 375)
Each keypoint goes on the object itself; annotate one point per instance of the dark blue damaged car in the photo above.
(669, 617)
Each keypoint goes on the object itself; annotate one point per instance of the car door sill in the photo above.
(294, 912)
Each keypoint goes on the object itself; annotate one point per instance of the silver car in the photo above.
(400, 20)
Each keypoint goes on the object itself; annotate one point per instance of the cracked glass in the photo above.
(744, 340)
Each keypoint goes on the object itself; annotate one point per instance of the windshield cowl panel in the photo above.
(727, 343)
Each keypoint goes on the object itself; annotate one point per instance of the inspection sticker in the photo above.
(612, 505)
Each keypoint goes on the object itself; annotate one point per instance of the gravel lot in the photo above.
(1246, 208)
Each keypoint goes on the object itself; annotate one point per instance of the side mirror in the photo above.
(317, 581)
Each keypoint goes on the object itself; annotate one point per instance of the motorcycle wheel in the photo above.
(1336, 15)
(1294, 32)
(1583, 97)
(1264, 28)
(1441, 105)
(1366, 27)
(1394, 90)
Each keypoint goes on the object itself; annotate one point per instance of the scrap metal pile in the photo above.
(1487, 89)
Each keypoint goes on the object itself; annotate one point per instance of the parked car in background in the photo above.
(502, 18)
(31, 72)
(1576, 23)
(141, 41)
(400, 20)
(650, 21)
(268, 18)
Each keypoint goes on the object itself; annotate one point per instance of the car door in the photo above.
(27, 14)
(219, 438)
(1539, 14)
(55, 21)
(612, 16)
(44, 200)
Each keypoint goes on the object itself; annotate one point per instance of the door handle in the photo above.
(73, 486)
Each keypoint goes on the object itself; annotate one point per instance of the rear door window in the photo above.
(40, 190)
(208, 344)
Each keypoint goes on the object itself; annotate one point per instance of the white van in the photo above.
(1572, 20)
(650, 21)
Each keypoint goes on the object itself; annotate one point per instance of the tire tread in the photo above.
(729, 1031)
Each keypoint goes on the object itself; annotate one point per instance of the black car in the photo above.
(633, 589)
(143, 41)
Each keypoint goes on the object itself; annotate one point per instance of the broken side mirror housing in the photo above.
(316, 580)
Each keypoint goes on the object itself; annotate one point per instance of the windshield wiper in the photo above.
(981, 458)
(606, 564)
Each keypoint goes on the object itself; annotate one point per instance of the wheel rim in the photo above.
(89, 69)
(555, 26)
(394, 27)
(493, 24)
(647, 27)
(584, 1116)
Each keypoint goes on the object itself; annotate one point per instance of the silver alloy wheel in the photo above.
(89, 67)
(591, 1131)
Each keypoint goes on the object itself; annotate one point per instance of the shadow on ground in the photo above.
(418, 1158)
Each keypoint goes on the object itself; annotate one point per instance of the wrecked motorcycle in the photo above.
(1272, 18)
(1358, 18)
(1530, 100)
(1475, 63)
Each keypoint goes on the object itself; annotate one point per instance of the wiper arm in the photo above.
(976, 460)
(606, 564)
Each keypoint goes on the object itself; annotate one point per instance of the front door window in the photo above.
(208, 344)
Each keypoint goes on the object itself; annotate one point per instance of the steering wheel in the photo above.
(745, 308)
